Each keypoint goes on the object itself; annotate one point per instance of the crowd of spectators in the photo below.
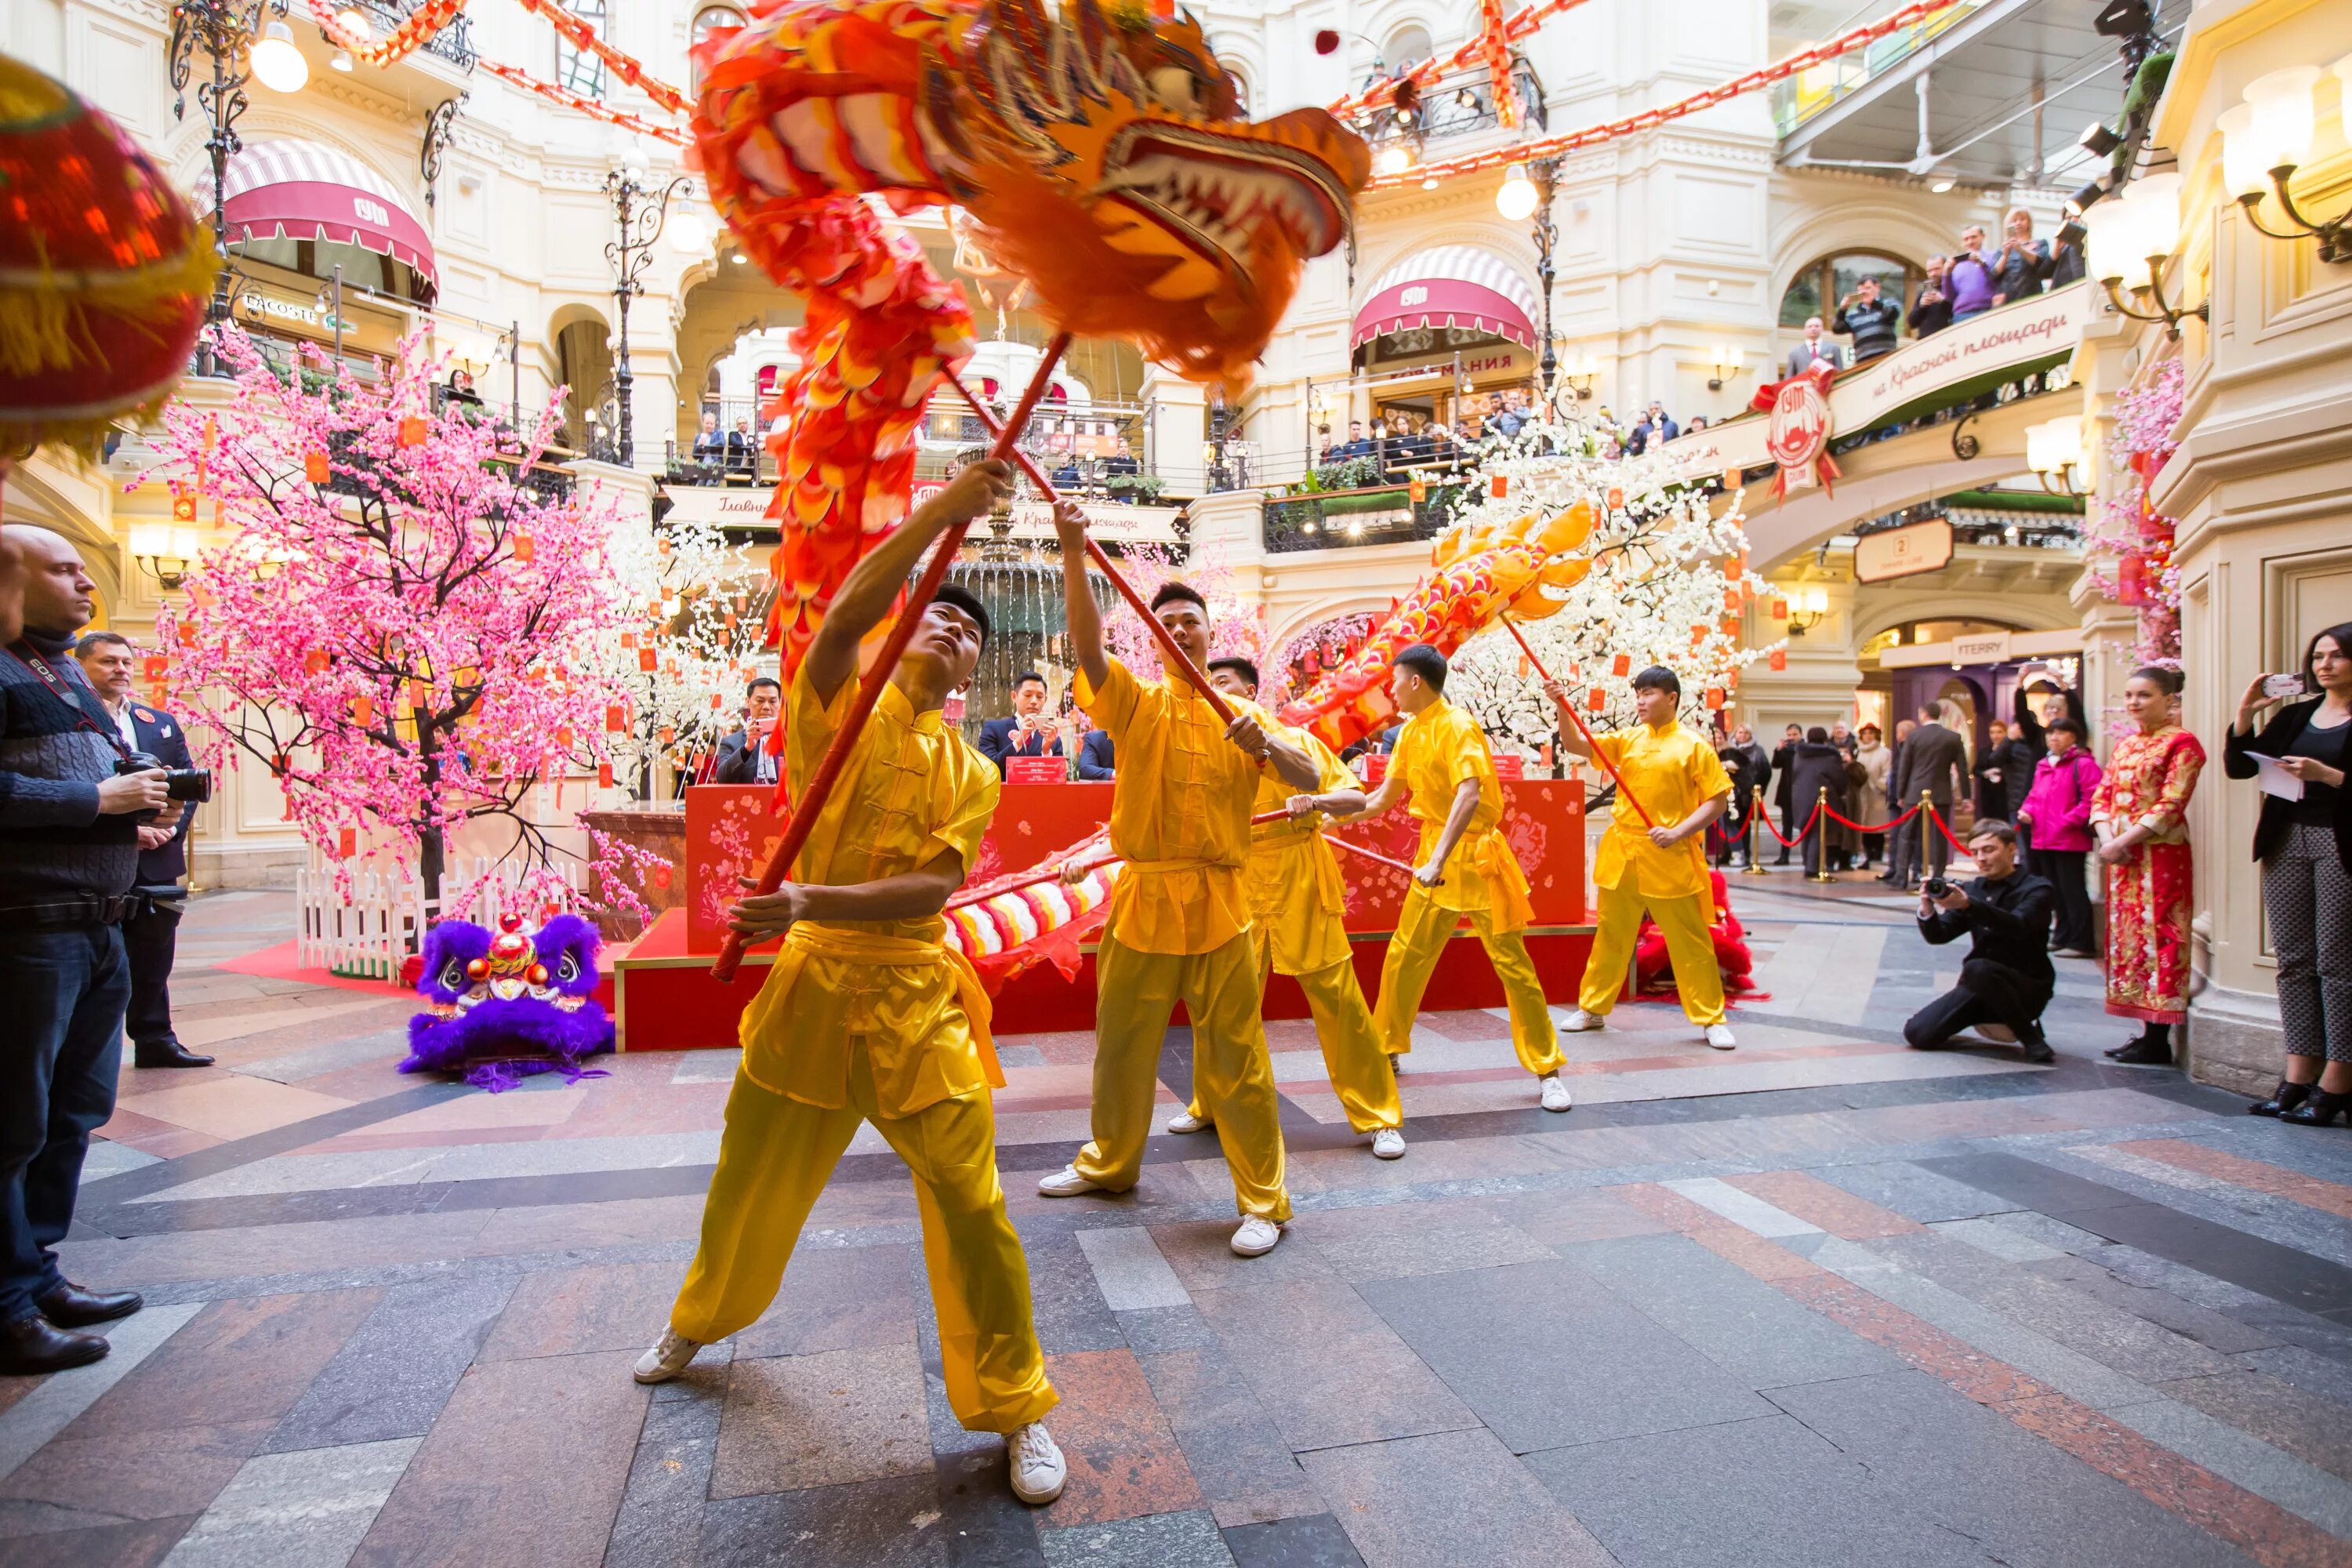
(1980, 275)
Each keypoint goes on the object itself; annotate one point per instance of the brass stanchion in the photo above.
(1820, 872)
(1755, 866)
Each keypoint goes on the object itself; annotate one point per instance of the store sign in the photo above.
(1798, 434)
(722, 506)
(1925, 373)
(1985, 647)
(255, 305)
(1492, 358)
(1903, 551)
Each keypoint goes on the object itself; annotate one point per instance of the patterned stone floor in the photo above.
(1825, 1302)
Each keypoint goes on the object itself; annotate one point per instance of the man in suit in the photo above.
(1784, 794)
(743, 756)
(1027, 732)
(1815, 347)
(151, 931)
(1932, 760)
(1097, 759)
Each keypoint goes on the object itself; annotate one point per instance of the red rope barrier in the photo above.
(1875, 827)
(1800, 838)
(1937, 817)
(885, 663)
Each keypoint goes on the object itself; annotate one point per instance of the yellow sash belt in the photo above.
(899, 951)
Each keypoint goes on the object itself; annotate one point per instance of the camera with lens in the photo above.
(1936, 887)
(193, 786)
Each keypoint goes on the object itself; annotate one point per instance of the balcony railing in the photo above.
(1335, 519)
(1097, 449)
(1457, 105)
(1799, 97)
(454, 42)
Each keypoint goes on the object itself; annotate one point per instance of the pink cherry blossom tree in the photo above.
(398, 621)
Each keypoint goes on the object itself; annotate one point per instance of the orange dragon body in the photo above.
(1101, 157)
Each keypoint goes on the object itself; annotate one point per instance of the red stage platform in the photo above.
(665, 1000)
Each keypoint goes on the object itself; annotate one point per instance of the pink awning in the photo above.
(299, 190)
(1452, 286)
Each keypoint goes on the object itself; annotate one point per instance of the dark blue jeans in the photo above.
(62, 992)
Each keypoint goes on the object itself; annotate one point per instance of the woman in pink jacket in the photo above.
(2057, 816)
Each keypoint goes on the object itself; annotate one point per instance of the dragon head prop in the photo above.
(502, 1005)
(1102, 154)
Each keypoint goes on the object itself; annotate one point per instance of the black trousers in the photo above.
(149, 939)
(1988, 993)
(1788, 830)
(62, 993)
(2062, 869)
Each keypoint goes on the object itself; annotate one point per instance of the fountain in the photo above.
(1022, 587)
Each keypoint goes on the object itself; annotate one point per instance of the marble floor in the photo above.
(1825, 1300)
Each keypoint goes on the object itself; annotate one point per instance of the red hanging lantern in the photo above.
(1779, 659)
(104, 271)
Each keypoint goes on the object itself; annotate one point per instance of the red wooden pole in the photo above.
(869, 691)
(1177, 659)
(1598, 754)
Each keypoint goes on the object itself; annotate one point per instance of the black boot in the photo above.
(2145, 1052)
(29, 1347)
(2287, 1096)
(2320, 1110)
(2036, 1048)
(166, 1054)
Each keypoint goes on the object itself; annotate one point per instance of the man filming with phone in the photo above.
(69, 821)
(2006, 980)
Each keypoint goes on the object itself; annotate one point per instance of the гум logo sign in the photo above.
(371, 211)
(1416, 295)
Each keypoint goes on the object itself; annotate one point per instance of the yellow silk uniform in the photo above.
(876, 1020)
(1439, 747)
(1673, 773)
(1297, 901)
(1180, 928)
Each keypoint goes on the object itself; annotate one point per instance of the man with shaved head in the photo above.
(68, 854)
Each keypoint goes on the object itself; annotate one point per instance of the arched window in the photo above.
(576, 69)
(1242, 93)
(1816, 290)
(707, 21)
(1407, 48)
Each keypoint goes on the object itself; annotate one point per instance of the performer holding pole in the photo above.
(1466, 867)
(1661, 866)
(867, 1016)
(1297, 901)
(1180, 918)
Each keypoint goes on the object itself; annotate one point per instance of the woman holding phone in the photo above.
(2140, 809)
(2306, 850)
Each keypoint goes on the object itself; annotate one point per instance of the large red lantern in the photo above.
(104, 272)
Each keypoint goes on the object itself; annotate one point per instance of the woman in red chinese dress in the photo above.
(2140, 810)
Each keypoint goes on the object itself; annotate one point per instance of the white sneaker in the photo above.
(667, 1358)
(1555, 1093)
(1579, 1021)
(1039, 1471)
(1186, 1122)
(1388, 1144)
(1719, 1036)
(1066, 1183)
(1257, 1236)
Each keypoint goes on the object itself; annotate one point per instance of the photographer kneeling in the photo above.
(2006, 980)
(69, 825)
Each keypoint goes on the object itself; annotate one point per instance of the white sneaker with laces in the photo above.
(1039, 1471)
(1579, 1021)
(1555, 1093)
(1388, 1144)
(1186, 1122)
(1066, 1183)
(667, 1358)
(1719, 1036)
(1257, 1236)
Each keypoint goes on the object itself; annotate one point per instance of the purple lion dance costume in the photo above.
(501, 1008)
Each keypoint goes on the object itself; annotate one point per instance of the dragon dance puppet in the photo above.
(1100, 156)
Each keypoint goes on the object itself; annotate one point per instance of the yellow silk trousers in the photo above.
(1423, 930)
(1136, 993)
(773, 1159)
(1358, 1069)
(1688, 944)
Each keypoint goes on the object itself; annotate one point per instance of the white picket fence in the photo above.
(370, 930)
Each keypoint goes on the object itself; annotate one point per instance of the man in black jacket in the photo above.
(1869, 321)
(2006, 980)
(1784, 794)
(1932, 761)
(1097, 762)
(151, 931)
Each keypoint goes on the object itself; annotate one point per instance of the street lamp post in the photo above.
(639, 212)
(1546, 172)
(243, 39)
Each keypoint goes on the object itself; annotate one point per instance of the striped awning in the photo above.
(299, 190)
(1450, 286)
